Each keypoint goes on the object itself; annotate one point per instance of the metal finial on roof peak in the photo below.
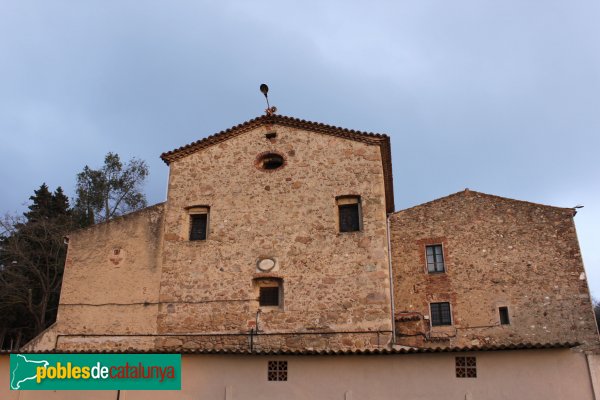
(265, 90)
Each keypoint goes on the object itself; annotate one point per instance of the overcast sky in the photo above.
(497, 96)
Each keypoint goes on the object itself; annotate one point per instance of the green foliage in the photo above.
(113, 190)
(32, 257)
(32, 248)
(42, 204)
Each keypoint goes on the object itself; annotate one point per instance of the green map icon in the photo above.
(24, 369)
(88, 371)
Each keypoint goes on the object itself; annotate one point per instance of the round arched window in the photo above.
(270, 161)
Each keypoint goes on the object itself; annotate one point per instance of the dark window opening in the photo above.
(198, 224)
(271, 161)
(277, 371)
(349, 217)
(466, 367)
(435, 258)
(440, 314)
(269, 296)
(504, 319)
(271, 135)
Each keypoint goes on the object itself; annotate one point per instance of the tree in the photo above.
(32, 248)
(42, 204)
(32, 258)
(113, 190)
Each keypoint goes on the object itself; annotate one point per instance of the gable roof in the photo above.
(381, 140)
(469, 192)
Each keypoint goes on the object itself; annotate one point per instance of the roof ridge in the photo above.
(217, 137)
(468, 191)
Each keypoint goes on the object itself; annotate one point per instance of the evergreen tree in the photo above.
(60, 204)
(32, 248)
(41, 206)
(32, 257)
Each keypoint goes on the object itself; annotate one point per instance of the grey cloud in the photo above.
(500, 97)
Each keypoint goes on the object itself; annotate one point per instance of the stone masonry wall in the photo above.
(111, 282)
(332, 282)
(498, 252)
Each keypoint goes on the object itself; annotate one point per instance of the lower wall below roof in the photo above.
(520, 374)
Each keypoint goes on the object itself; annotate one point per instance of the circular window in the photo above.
(270, 161)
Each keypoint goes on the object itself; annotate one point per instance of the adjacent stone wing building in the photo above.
(507, 272)
(278, 253)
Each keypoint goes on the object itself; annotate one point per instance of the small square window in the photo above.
(277, 370)
(269, 296)
(466, 367)
(435, 258)
(504, 318)
(440, 314)
(349, 213)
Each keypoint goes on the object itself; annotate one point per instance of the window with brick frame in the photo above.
(435, 258)
(349, 213)
(270, 292)
(269, 161)
(466, 367)
(269, 296)
(198, 222)
(440, 314)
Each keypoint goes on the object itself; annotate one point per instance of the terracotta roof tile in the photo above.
(403, 350)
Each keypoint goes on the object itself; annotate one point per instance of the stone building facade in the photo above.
(280, 235)
(498, 254)
(175, 293)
